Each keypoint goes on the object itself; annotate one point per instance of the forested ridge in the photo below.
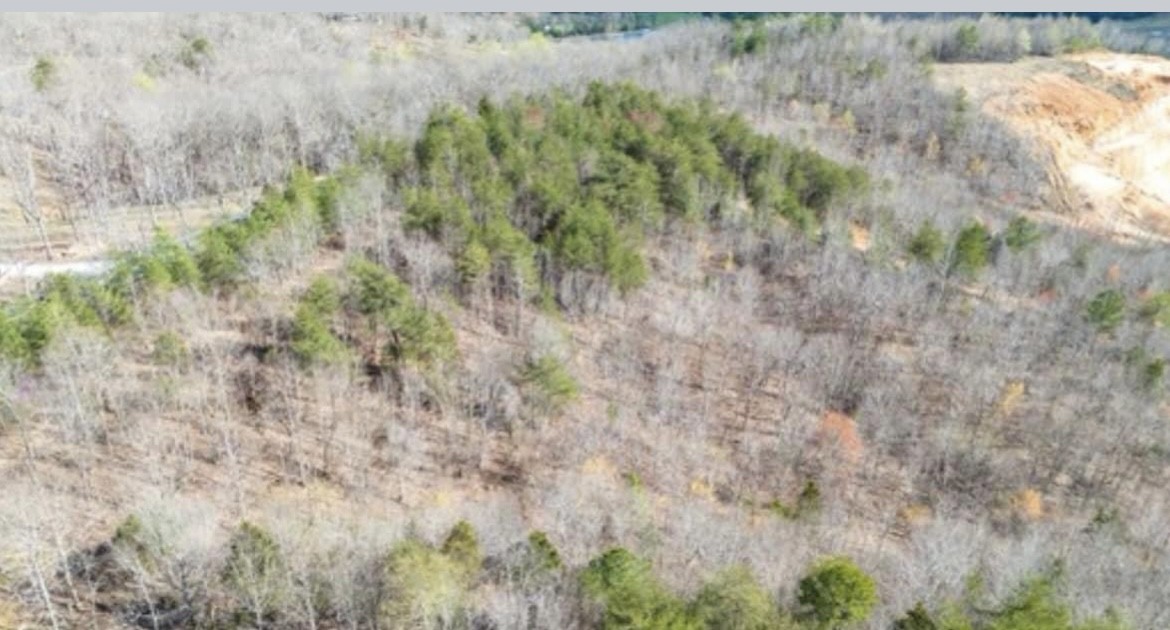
(586, 23)
(741, 326)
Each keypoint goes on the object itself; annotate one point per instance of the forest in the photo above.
(583, 23)
(745, 325)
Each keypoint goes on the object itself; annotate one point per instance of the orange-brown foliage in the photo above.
(840, 431)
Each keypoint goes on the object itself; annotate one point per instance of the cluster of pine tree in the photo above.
(541, 186)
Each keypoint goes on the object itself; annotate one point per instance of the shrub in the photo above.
(220, 252)
(374, 291)
(43, 74)
(927, 244)
(145, 81)
(1156, 309)
(392, 156)
(1106, 518)
(1077, 42)
(532, 562)
(958, 118)
(272, 210)
(180, 266)
(327, 203)
(629, 188)
(169, 349)
(420, 336)
(132, 538)
(817, 180)
(552, 385)
(677, 182)
(84, 301)
(952, 616)
(254, 570)
(1153, 374)
(415, 335)
(626, 268)
(436, 214)
(972, 250)
(916, 618)
(747, 41)
(138, 273)
(28, 328)
(769, 198)
(836, 593)
(12, 343)
(473, 262)
(219, 257)
(544, 552)
(1034, 606)
(200, 45)
(821, 23)
(462, 547)
(321, 297)
(781, 509)
(129, 531)
(1106, 310)
(195, 52)
(426, 589)
(1021, 234)
(511, 247)
(632, 597)
(968, 40)
(253, 555)
(809, 501)
(734, 600)
(312, 340)
(163, 265)
(38, 325)
(585, 237)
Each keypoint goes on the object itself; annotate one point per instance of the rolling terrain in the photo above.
(427, 322)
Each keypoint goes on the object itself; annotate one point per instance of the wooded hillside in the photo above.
(729, 326)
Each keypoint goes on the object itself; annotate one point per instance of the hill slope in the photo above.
(586, 352)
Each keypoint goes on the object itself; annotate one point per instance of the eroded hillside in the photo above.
(1104, 121)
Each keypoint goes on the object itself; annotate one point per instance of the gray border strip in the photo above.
(918, 6)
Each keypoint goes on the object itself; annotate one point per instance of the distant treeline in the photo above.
(563, 24)
(1093, 17)
(569, 24)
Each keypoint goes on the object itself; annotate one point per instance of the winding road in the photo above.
(26, 270)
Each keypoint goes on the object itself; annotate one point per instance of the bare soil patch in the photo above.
(1103, 119)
